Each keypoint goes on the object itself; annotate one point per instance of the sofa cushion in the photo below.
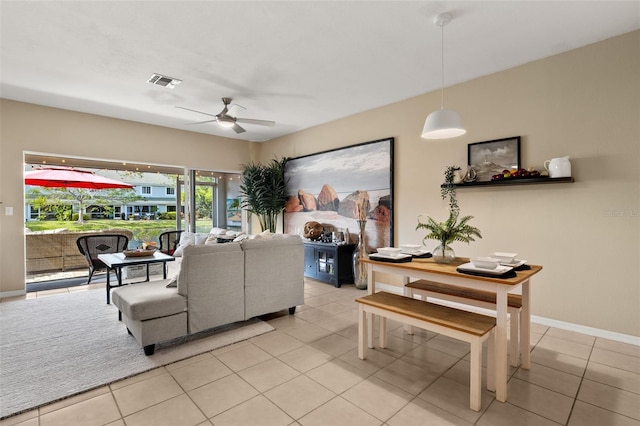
(198, 266)
(148, 300)
(274, 274)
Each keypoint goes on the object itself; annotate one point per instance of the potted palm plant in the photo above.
(455, 228)
(263, 189)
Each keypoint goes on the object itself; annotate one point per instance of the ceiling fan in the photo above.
(227, 118)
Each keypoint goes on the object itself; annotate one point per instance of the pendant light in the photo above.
(444, 123)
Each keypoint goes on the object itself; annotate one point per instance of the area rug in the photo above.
(58, 346)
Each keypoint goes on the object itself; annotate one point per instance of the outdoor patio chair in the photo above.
(93, 245)
(169, 241)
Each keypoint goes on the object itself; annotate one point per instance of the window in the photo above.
(146, 190)
(170, 191)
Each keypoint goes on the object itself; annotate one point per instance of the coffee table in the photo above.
(116, 261)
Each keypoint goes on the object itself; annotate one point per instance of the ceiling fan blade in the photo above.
(258, 122)
(199, 112)
(235, 109)
(238, 129)
(203, 122)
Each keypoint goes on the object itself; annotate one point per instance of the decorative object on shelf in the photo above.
(443, 123)
(494, 157)
(471, 175)
(452, 229)
(516, 174)
(462, 176)
(558, 167)
(312, 230)
(263, 189)
(359, 268)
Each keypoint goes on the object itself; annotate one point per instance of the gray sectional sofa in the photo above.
(217, 284)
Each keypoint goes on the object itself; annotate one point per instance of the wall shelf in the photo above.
(516, 181)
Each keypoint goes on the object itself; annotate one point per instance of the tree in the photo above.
(54, 199)
(204, 201)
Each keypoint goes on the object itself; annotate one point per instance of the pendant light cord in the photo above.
(442, 65)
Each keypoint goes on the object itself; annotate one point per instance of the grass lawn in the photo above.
(143, 230)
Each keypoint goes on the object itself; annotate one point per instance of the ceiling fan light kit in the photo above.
(227, 119)
(444, 123)
(226, 122)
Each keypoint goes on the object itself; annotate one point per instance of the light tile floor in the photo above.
(307, 373)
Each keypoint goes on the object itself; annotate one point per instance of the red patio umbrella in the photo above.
(71, 178)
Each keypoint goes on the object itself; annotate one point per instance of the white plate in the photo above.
(515, 263)
(389, 251)
(485, 262)
(505, 257)
(409, 248)
(382, 256)
(416, 253)
(501, 269)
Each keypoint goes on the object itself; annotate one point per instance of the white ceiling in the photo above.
(299, 63)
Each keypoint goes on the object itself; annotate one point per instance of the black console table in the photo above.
(331, 263)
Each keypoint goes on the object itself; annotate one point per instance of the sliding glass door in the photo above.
(214, 199)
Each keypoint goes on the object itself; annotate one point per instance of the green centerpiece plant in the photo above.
(455, 228)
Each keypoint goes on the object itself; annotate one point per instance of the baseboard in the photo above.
(14, 293)
(590, 331)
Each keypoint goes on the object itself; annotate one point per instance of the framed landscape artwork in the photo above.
(329, 187)
(492, 157)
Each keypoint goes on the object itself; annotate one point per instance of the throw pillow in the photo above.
(240, 237)
(186, 239)
(201, 238)
(211, 239)
(217, 231)
(266, 235)
(173, 282)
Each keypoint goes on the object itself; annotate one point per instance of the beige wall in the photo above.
(27, 127)
(585, 104)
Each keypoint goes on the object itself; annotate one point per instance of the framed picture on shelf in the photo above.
(329, 187)
(492, 157)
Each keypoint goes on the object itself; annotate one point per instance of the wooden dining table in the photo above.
(428, 269)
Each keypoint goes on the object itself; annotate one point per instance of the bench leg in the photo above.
(362, 332)
(525, 327)
(491, 367)
(383, 332)
(408, 292)
(370, 323)
(475, 375)
(514, 340)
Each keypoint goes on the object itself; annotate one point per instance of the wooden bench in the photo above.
(469, 327)
(480, 299)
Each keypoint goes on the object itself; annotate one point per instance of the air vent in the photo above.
(163, 80)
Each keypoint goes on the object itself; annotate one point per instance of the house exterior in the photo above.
(154, 194)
